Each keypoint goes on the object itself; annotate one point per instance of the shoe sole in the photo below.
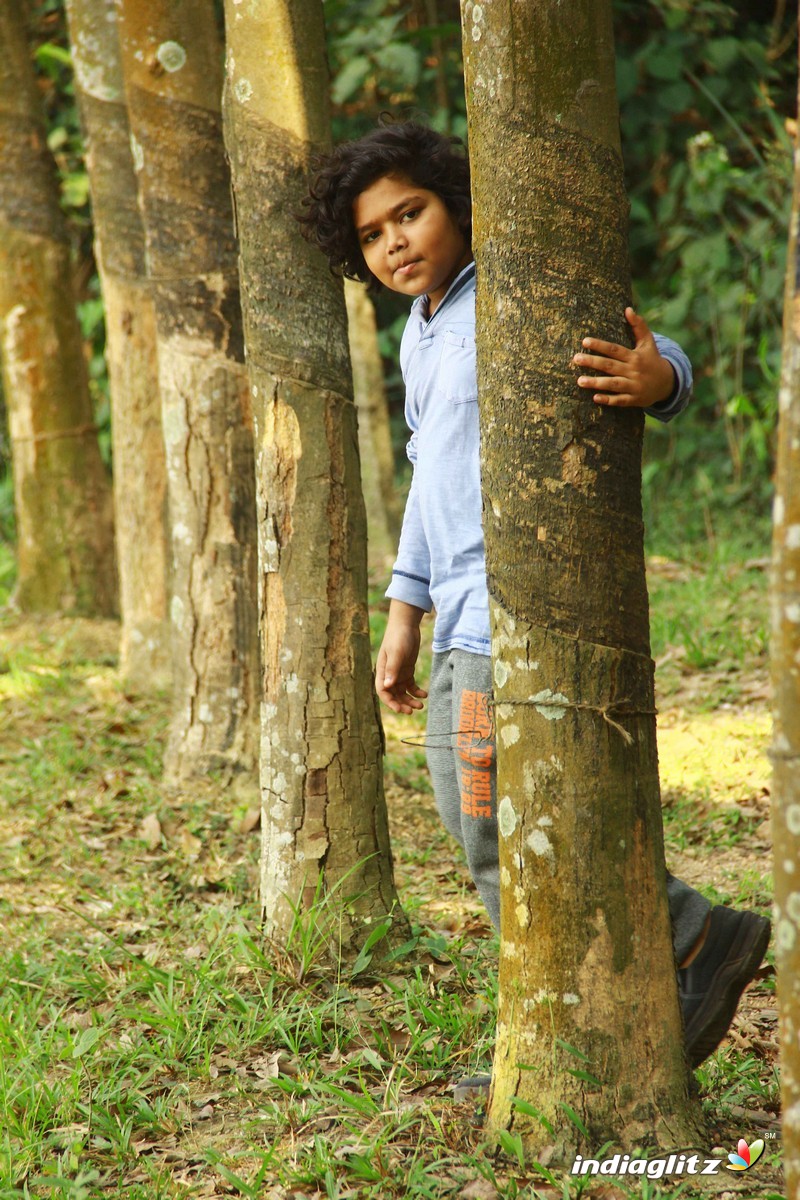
(713, 1019)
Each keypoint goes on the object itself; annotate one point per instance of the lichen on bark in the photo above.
(139, 468)
(785, 672)
(324, 823)
(586, 962)
(62, 492)
(184, 194)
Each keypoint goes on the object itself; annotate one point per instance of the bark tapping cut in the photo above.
(140, 480)
(785, 654)
(172, 62)
(324, 820)
(62, 493)
(588, 1013)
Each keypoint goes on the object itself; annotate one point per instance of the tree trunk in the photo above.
(140, 480)
(172, 63)
(374, 435)
(588, 1017)
(61, 488)
(785, 654)
(324, 816)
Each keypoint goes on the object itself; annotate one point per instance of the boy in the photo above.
(393, 208)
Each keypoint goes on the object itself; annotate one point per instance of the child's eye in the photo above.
(369, 237)
(409, 216)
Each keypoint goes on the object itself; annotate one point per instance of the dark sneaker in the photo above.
(472, 1087)
(711, 985)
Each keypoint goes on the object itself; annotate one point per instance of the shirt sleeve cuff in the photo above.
(663, 410)
(410, 589)
(681, 393)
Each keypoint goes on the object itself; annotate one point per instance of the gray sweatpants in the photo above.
(461, 759)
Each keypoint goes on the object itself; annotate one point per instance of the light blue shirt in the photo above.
(440, 560)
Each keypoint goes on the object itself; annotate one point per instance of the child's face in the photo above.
(409, 238)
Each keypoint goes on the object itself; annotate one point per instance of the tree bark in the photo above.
(785, 657)
(61, 488)
(172, 64)
(374, 435)
(588, 1018)
(324, 819)
(140, 481)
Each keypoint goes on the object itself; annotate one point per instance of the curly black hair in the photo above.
(428, 159)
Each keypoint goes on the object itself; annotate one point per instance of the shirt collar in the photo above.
(461, 280)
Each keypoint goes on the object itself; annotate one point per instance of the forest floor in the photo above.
(152, 1046)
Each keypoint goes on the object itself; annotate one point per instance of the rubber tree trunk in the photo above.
(324, 818)
(785, 654)
(140, 480)
(374, 435)
(172, 63)
(588, 1014)
(62, 492)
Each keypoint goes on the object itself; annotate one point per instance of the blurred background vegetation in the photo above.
(707, 94)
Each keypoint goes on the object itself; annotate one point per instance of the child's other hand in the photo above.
(633, 378)
(394, 669)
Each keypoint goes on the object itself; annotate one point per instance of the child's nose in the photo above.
(398, 238)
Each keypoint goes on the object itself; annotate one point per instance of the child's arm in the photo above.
(636, 378)
(397, 658)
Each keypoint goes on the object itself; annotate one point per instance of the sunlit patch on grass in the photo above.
(154, 1046)
(724, 753)
(16, 682)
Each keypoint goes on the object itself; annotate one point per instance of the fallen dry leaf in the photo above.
(250, 821)
(190, 845)
(270, 1066)
(479, 1189)
(150, 831)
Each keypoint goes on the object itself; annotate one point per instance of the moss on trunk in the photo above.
(139, 468)
(172, 64)
(324, 816)
(62, 493)
(588, 1014)
(785, 670)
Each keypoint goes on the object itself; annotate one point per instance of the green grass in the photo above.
(708, 605)
(8, 570)
(139, 1014)
(153, 1046)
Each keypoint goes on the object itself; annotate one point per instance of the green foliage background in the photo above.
(706, 90)
(705, 95)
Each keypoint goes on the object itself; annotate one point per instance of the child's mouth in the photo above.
(407, 268)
